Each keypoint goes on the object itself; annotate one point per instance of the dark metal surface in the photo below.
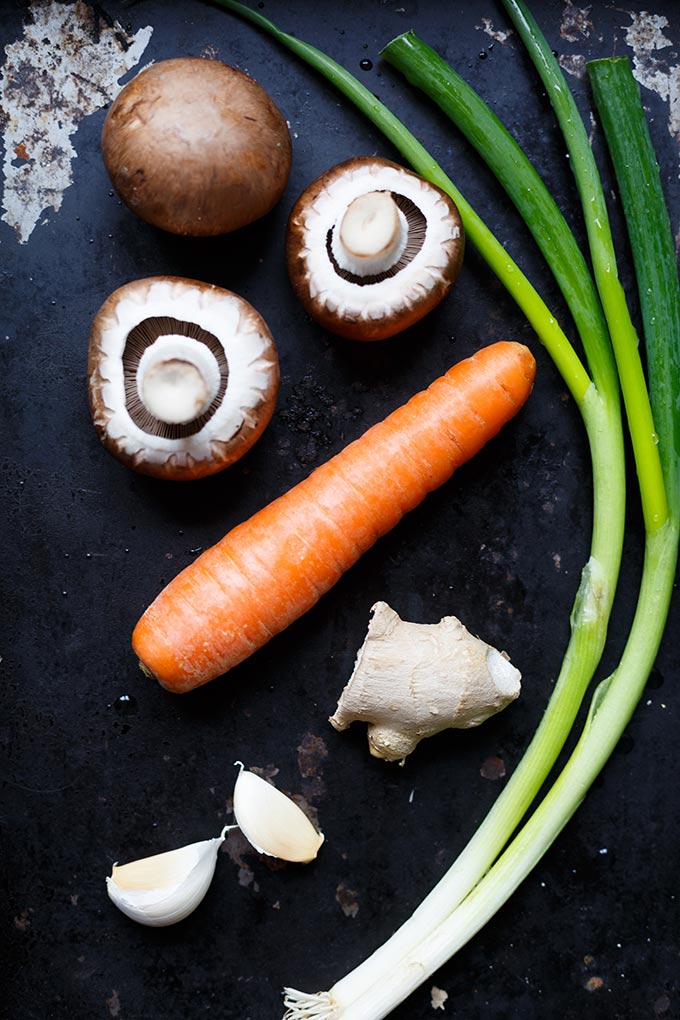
(101, 765)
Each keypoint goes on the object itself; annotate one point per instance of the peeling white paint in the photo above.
(591, 137)
(496, 34)
(65, 66)
(573, 63)
(438, 997)
(645, 35)
(646, 32)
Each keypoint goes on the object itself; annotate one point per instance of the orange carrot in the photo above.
(271, 569)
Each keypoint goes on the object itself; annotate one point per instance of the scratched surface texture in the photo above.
(99, 764)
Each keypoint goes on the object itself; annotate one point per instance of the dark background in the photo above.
(100, 764)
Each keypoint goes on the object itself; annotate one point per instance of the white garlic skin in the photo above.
(271, 822)
(167, 887)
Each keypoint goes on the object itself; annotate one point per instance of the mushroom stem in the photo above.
(175, 392)
(177, 379)
(372, 234)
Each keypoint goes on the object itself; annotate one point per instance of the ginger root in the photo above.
(412, 680)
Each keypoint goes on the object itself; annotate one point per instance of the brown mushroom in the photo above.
(371, 248)
(183, 376)
(196, 147)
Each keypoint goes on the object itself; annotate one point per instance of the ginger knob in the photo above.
(412, 680)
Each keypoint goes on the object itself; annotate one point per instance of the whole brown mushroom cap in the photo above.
(196, 147)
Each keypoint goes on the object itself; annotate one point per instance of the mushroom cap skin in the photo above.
(389, 303)
(249, 385)
(196, 147)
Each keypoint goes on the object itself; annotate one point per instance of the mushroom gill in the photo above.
(140, 339)
(416, 231)
(182, 376)
(372, 247)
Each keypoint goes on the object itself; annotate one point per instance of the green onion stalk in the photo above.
(453, 913)
(623, 335)
(618, 101)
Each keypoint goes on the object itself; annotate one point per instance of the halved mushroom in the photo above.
(183, 376)
(196, 147)
(371, 248)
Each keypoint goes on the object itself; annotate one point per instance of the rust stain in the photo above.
(312, 752)
(23, 921)
(237, 847)
(347, 899)
(268, 772)
(493, 768)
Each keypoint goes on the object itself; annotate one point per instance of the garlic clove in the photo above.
(271, 822)
(165, 888)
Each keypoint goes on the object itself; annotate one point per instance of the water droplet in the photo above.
(655, 438)
(125, 705)
(483, 55)
(366, 65)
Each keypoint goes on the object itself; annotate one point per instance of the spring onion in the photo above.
(433, 935)
(615, 698)
(624, 338)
